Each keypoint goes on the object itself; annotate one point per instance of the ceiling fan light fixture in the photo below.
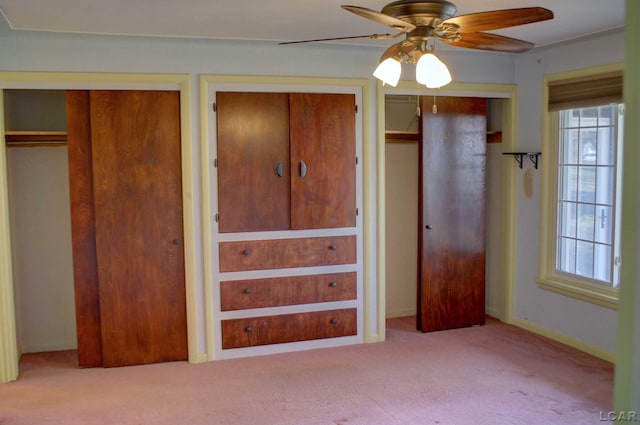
(432, 72)
(388, 71)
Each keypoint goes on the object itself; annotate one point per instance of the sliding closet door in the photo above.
(137, 208)
(452, 214)
(83, 232)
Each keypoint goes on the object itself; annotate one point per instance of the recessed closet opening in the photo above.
(403, 136)
(38, 183)
(104, 115)
(96, 223)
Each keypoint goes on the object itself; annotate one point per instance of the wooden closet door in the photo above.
(253, 161)
(451, 288)
(136, 165)
(323, 160)
(83, 231)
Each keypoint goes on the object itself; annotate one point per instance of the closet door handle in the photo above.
(279, 170)
(303, 169)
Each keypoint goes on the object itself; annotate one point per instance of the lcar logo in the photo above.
(621, 416)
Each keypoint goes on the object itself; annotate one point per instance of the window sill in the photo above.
(605, 297)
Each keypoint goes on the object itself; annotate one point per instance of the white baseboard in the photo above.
(43, 348)
(564, 339)
(400, 313)
(372, 338)
(200, 358)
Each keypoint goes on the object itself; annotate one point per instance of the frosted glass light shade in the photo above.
(432, 72)
(389, 71)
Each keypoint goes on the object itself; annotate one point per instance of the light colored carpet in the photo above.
(495, 374)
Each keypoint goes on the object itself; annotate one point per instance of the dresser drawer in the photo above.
(285, 253)
(272, 292)
(283, 328)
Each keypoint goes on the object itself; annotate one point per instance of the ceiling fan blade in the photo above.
(496, 19)
(374, 15)
(494, 42)
(372, 36)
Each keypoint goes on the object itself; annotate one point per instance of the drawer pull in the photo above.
(334, 321)
(247, 291)
(248, 329)
(333, 284)
(333, 247)
(247, 252)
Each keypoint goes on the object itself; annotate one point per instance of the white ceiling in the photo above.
(283, 20)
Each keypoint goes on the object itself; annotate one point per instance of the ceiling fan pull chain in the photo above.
(434, 109)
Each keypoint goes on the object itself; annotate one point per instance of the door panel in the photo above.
(452, 214)
(253, 161)
(85, 272)
(138, 219)
(322, 131)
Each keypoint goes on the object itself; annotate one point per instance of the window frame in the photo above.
(549, 278)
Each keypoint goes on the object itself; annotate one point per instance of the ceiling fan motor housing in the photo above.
(421, 13)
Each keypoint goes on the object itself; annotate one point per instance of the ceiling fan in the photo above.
(425, 21)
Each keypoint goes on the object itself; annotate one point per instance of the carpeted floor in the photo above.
(495, 374)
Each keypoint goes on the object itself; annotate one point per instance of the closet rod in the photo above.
(29, 139)
(35, 144)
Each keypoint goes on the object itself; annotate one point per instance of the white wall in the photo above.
(401, 208)
(401, 229)
(627, 372)
(41, 245)
(31, 51)
(495, 222)
(591, 324)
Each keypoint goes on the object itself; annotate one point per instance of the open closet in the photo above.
(442, 205)
(38, 180)
(96, 223)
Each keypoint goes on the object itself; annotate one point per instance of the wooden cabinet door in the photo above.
(285, 161)
(134, 148)
(323, 160)
(452, 214)
(253, 161)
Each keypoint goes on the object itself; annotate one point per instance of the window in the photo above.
(580, 253)
(586, 237)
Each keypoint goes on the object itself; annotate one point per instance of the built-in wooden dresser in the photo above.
(288, 275)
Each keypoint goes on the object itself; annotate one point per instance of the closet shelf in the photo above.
(392, 136)
(35, 138)
(494, 136)
(395, 136)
